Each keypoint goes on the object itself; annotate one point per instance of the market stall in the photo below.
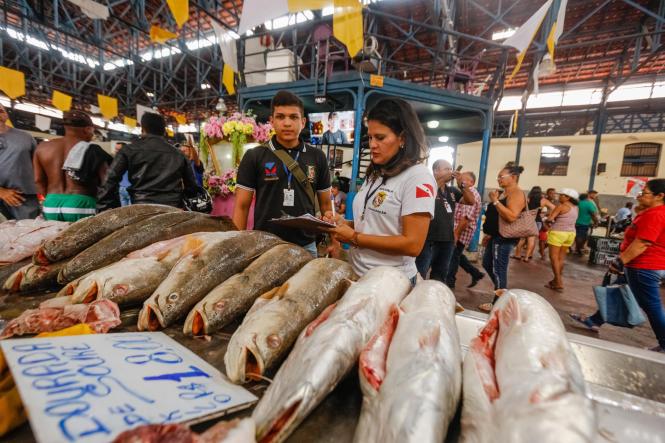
(211, 289)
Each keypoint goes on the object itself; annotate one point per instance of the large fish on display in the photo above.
(133, 279)
(522, 381)
(197, 273)
(139, 235)
(273, 323)
(235, 296)
(9, 269)
(326, 351)
(411, 373)
(20, 239)
(32, 278)
(87, 231)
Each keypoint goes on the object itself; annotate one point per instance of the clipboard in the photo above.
(306, 222)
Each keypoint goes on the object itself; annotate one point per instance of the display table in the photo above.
(224, 206)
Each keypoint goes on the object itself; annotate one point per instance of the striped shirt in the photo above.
(471, 213)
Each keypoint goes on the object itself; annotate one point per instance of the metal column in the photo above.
(482, 173)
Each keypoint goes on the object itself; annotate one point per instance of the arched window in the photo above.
(640, 160)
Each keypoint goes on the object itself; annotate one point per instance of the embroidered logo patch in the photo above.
(311, 173)
(270, 169)
(379, 198)
(424, 191)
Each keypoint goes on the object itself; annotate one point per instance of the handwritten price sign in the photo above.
(89, 388)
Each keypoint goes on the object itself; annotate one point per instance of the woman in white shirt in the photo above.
(394, 206)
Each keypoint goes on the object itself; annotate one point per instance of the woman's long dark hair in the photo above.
(401, 118)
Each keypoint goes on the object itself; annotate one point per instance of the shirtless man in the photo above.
(70, 194)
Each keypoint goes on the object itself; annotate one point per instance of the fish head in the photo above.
(13, 282)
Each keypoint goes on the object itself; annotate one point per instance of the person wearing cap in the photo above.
(18, 194)
(158, 172)
(69, 170)
(562, 234)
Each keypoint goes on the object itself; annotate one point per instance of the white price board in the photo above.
(89, 388)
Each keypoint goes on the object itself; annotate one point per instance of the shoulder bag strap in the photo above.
(297, 172)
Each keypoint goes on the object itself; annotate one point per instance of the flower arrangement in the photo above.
(223, 186)
(238, 128)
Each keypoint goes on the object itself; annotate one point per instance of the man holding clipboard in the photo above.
(287, 176)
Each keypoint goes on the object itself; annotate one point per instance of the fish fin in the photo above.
(320, 319)
(282, 290)
(430, 339)
(373, 357)
(193, 245)
(13, 282)
(270, 294)
(511, 313)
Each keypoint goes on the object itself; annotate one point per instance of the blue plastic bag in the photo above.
(617, 304)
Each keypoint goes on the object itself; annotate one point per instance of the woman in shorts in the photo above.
(562, 234)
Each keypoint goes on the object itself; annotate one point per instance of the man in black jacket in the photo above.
(158, 172)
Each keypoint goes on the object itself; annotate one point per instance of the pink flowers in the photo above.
(223, 185)
(238, 125)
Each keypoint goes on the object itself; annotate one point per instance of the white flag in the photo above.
(42, 123)
(92, 9)
(140, 110)
(256, 12)
(228, 46)
(560, 18)
(522, 38)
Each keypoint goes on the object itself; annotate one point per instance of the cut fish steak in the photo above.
(20, 239)
(326, 351)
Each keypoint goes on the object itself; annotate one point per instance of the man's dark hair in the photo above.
(592, 191)
(584, 197)
(153, 124)
(335, 184)
(121, 143)
(550, 190)
(286, 98)
(629, 205)
(331, 115)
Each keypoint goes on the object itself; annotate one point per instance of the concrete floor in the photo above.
(579, 277)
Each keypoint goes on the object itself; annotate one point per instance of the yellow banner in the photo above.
(348, 24)
(180, 118)
(159, 35)
(228, 79)
(131, 122)
(551, 41)
(180, 11)
(301, 5)
(12, 82)
(108, 106)
(61, 101)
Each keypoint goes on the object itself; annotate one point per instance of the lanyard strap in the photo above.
(369, 195)
(289, 174)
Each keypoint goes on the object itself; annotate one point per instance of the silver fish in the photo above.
(326, 351)
(276, 318)
(522, 381)
(131, 280)
(198, 273)
(235, 296)
(411, 373)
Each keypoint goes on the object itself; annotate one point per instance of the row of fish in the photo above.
(98, 241)
(520, 378)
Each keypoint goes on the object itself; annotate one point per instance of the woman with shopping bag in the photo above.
(642, 261)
